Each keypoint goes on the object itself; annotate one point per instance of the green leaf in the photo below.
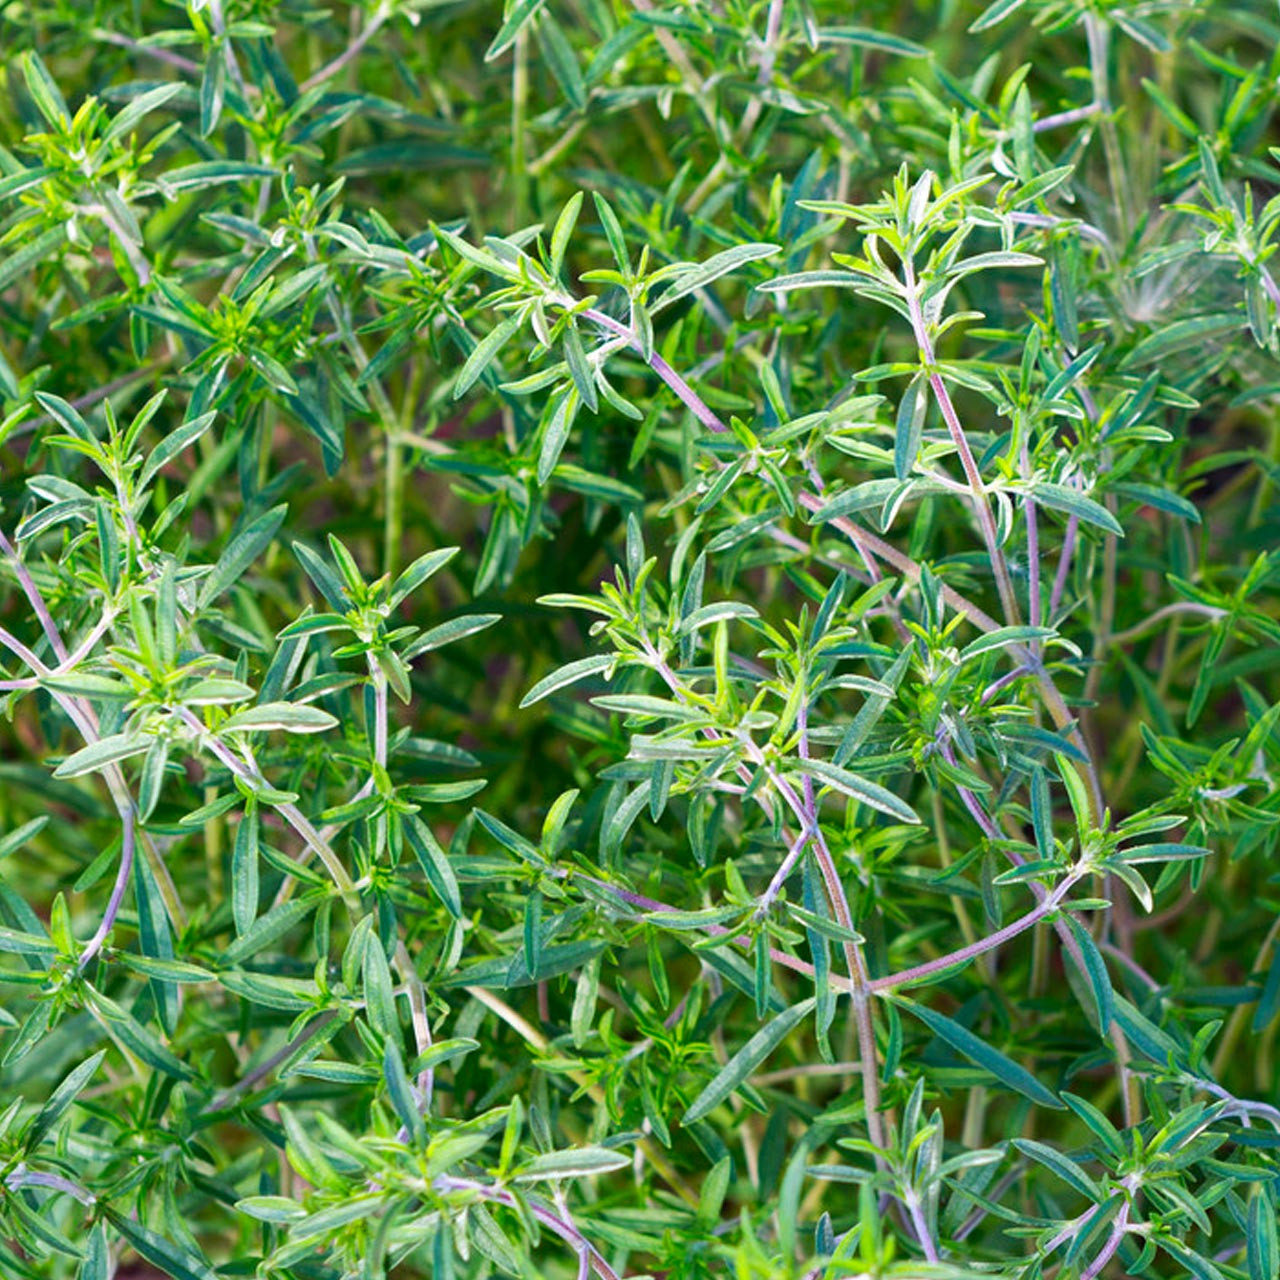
(271, 1208)
(21, 260)
(166, 970)
(447, 632)
(268, 928)
(612, 233)
(1180, 335)
(142, 105)
(101, 754)
(580, 371)
(289, 717)
(557, 432)
(718, 611)
(380, 1003)
(567, 675)
(743, 1064)
(1003, 638)
(174, 444)
(1095, 971)
(434, 863)
(423, 568)
(484, 353)
(563, 232)
(579, 1163)
(994, 13)
(518, 17)
(240, 553)
(1000, 1065)
(1144, 1035)
(62, 1098)
(174, 1260)
(561, 61)
(207, 172)
(1161, 499)
(685, 278)
(400, 1091)
(1059, 498)
(67, 416)
(268, 990)
(909, 426)
(880, 41)
(1263, 1248)
(44, 91)
(244, 871)
(326, 581)
(1102, 1127)
(1269, 1000)
(869, 793)
(1066, 1168)
(137, 1038)
(17, 838)
(19, 943)
(97, 1256)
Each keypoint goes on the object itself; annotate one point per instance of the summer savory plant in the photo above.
(639, 639)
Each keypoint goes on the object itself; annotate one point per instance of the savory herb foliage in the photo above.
(639, 640)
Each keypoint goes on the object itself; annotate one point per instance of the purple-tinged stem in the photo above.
(1122, 957)
(264, 1069)
(1064, 565)
(1108, 1250)
(20, 651)
(567, 1232)
(785, 868)
(1033, 555)
(352, 50)
(36, 600)
(1045, 221)
(916, 1213)
(1068, 939)
(1061, 118)
(152, 51)
(688, 397)
(764, 72)
(920, 328)
(1004, 681)
(290, 812)
(797, 845)
(81, 714)
(125, 870)
(859, 991)
(876, 985)
(1177, 608)
(1047, 906)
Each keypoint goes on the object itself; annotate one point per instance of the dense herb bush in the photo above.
(639, 640)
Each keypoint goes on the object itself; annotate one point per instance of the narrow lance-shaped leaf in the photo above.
(866, 792)
(688, 278)
(289, 717)
(62, 1098)
(240, 553)
(434, 863)
(1000, 1065)
(567, 675)
(174, 1260)
(740, 1067)
(1059, 498)
(579, 1163)
(484, 353)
